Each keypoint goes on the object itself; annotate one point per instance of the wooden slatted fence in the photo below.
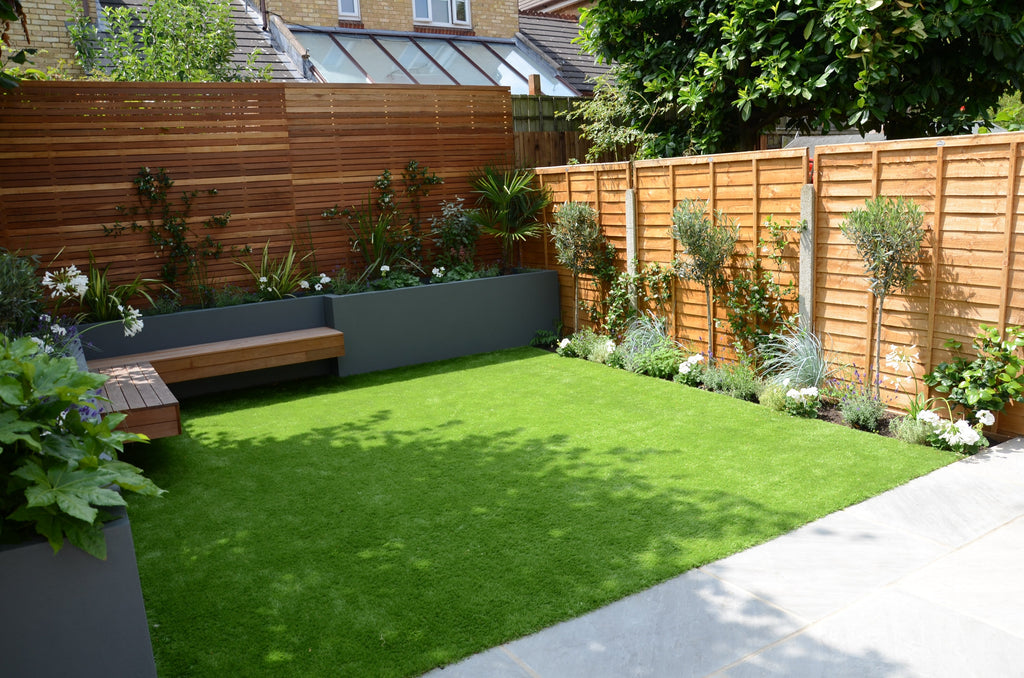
(277, 154)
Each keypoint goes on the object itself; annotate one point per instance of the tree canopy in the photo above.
(714, 74)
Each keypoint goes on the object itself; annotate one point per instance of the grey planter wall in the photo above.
(385, 329)
(415, 325)
(69, 614)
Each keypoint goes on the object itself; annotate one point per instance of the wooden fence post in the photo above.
(808, 207)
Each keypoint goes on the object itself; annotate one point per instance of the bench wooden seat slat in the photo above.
(138, 382)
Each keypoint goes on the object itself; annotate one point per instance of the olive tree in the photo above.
(887, 233)
(707, 241)
(578, 245)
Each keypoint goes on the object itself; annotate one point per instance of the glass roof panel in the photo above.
(453, 62)
(375, 61)
(415, 61)
(329, 60)
(467, 61)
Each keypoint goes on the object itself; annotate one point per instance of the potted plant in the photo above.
(60, 478)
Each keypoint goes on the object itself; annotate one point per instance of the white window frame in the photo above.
(349, 16)
(446, 21)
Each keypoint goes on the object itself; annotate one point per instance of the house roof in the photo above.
(248, 36)
(554, 35)
(553, 6)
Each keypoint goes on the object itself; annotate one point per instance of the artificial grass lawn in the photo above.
(385, 524)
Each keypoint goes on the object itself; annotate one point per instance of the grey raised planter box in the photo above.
(69, 614)
(384, 329)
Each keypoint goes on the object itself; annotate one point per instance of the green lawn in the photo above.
(385, 524)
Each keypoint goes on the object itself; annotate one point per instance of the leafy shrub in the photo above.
(862, 410)
(803, 402)
(20, 295)
(544, 339)
(647, 349)
(910, 429)
(455, 235)
(59, 454)
(691, 371)
(628, 293)
(232, 295)
(579, 345)
(960, 436)
(737, 381)
(989, 382)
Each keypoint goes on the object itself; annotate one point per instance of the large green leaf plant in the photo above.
(59, 472)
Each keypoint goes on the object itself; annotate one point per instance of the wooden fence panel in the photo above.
(969, 189)
(277, 154)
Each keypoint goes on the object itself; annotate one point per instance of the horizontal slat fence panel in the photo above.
(970, 191)
(277, 154)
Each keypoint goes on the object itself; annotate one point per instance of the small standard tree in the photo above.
(707, 243)
(887, 233)
(578, 245)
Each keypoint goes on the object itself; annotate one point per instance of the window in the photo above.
(348, 9)
(446, 12)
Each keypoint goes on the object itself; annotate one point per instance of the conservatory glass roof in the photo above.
(416, 59)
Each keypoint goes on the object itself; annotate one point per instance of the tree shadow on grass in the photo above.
(369, 547)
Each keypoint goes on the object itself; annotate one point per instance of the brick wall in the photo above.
(491, 18)
(46, 29)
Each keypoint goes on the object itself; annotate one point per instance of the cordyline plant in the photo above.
(579, 245)
(509, 207)
(707, 243)
(887, 233)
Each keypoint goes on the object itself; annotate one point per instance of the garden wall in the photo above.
(970, 189)
(277, 154)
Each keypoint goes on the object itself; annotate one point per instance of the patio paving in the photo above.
(924, 580)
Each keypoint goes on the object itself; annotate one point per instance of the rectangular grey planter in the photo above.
(383, 329)
(69, 614)
(394, 328)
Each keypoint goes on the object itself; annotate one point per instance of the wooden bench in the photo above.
(138, 382)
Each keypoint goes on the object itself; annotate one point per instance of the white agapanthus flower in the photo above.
(132, 322)
(66, 282)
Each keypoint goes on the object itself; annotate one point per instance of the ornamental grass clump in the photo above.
(796, 356)
(887, 233)
(647, 349)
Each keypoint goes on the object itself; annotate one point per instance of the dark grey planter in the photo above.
(384, 329)
(394, 328)
(69, 614)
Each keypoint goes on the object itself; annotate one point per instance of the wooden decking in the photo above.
(138, 382)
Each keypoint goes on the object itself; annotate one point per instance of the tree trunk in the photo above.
(878, 349)
(575, 303)
(711, 327)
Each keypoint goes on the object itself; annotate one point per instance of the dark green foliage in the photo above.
(544, 339)
(993, 380)
(21, 297)
(59, 455)
(887, 234)
(171, 232)
(755, 299)
(715, 74)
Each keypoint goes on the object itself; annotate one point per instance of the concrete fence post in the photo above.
(806, 289)
(631, 230)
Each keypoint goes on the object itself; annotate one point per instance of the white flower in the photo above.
(385, 268)
(794, 394)
(436, 272)
(610, 346)
(324, 279)
(928, 417)
(684, 367)
(810, 392)
(304, 284)
(785, 382)
(985, 418)
(563, 343)
(263, 278)
(66, 282)
(58, 329)
(318, 287)
(132, 322)
(695, 358)
(42, 344)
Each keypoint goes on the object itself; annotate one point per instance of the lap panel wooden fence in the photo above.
(277, 154)
(970, 189)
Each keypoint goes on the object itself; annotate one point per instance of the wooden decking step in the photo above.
(138, 391)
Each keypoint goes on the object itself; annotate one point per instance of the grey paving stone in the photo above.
(495, 663)
(953, 505)
(891, 634)
(826, 565)
(688, 626)
(983, 580)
